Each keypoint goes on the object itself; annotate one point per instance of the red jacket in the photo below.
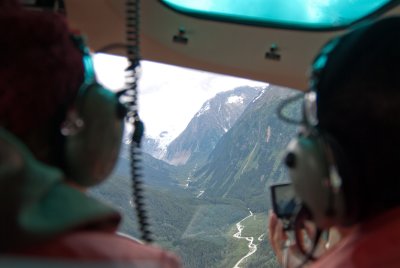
(99, 247)
(45, 219)
(375, 244)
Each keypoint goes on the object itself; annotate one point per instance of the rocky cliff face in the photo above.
(248, 158)
(215, 118)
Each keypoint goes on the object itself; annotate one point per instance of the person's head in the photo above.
(40, 75)
(358, 104)
(45, 100)
(356, 80)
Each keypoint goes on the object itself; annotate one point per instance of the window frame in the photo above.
(278, 25)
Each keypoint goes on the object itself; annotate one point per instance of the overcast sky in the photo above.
(169, 96)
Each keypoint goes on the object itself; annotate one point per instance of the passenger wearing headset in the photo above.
(60, 133)
(344, 165)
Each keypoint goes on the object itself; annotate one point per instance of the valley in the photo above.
(208, 197)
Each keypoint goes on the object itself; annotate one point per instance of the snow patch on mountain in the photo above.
(164, 139)
(268, 134)
(160, 143)
(259, 95)
(234, 99)
(203, 109)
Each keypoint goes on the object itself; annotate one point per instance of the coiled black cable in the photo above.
(131, 96)
(284, 104)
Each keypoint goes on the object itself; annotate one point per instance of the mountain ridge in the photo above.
(248, 158)
(216, 116)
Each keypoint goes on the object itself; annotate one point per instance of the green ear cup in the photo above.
(92, 149)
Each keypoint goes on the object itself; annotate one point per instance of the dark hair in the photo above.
(40, 72)
(359, 105)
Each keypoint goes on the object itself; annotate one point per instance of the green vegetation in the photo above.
(234, 177)
(199, 231)
(255, 227)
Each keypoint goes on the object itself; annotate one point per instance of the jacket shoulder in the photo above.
(103, 246)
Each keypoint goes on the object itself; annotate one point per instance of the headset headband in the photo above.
(89, 76)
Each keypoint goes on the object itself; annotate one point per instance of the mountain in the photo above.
(154, 172)
(214, 119)
(249, 156)
(157, 146)
(237, 165)
(153, 147)
(193, 228)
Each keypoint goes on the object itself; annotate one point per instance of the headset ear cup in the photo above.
(316, 180)
(92, 146)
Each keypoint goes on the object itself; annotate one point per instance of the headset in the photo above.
(311, 158)
(94, 125)
(317, 164)
(93, 128)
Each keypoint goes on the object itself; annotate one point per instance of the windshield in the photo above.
(312, 14)
(213, 145)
